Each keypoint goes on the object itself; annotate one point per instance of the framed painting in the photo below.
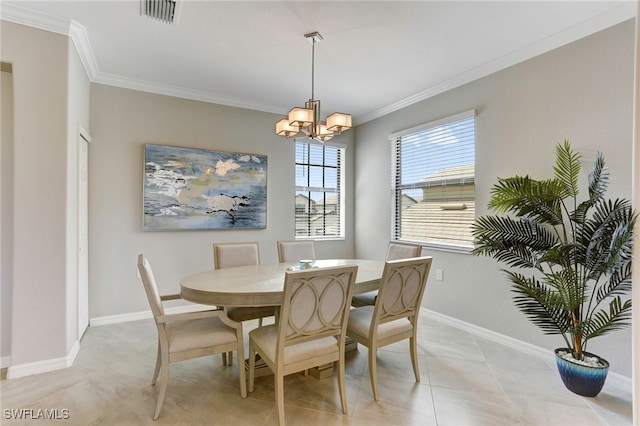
(189, 189)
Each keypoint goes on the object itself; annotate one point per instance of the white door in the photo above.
(83, 232)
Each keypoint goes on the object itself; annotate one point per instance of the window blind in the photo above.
(318, 181)
(433, 182)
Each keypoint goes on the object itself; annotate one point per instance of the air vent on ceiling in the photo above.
(162, 10)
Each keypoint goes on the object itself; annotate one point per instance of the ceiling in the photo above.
(376, 56)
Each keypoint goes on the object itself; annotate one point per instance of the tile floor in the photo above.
(466, 380)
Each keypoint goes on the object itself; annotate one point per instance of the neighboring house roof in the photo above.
(329, 200)
(452, 175)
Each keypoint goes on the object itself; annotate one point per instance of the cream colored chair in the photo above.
(394, 317)
(229, 255)
(311, 328)
(294, 251)
(188, 335)
(395, 251)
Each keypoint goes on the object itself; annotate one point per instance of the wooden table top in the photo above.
(261, 285)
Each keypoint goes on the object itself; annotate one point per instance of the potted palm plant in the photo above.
(570, 261)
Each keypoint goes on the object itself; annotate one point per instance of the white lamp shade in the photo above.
(338, 122)
(323, 133)
(283, 128)
(300, 116)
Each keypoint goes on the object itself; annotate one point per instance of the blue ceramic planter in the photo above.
(582, 379)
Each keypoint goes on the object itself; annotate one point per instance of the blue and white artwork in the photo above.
(187, 188)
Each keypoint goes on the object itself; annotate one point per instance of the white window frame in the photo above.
(342, 153)
(397, 187)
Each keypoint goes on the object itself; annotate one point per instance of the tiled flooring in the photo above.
(466, 380)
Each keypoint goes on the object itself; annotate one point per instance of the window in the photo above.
(433, 179)
(319, 190)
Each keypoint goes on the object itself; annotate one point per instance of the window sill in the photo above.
(451, 248)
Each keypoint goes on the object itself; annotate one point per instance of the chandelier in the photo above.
(305, 122)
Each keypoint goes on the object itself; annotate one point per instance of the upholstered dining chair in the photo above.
(188, 335)
(394, 317)
(310, 330)
(396, 250)
(293, 251)
(229, 255)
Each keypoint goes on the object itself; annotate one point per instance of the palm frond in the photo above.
(598, 179)
(543, 306)
(602, 322)
(609, 235)
(515, 242)
(526, 197)
(619, 283)
(567, 169)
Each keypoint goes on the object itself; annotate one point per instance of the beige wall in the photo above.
(582, 92)
(45, 102)
(6, 214)
(122, 121)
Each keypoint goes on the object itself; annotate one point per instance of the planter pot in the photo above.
(585, 380)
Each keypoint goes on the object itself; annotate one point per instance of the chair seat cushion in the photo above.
(266, 338)
(193, 334)
(360, 323)
(246, 313)
(364, 299)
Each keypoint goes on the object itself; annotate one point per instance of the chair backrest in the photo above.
(228, 255)
(150, 287)
(401, 289)
(315, 305)
(293, 251)
(398, 250)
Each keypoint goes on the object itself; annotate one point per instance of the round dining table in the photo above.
(262, 285)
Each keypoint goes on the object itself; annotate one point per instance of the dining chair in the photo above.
(229, 255)
(188, 335)
(394, 317)
(396, 250)
(294, 251)
(311, 328)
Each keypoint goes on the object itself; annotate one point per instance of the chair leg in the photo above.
(414, 357)
(252, 365)
(157, 370)
(373, 373)
(164, 379)
(342, 386)
(279, 389)
(229, 358)
(241, 373)
(224, 358)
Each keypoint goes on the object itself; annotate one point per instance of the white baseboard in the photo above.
(519, 345)
(5, 361)
(28, 369)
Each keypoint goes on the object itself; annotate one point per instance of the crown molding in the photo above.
(76, 32)
(80, 39)
(625, 11)
(20, 15)
(181, 92)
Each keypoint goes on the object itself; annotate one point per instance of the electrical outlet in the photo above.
(439, 275)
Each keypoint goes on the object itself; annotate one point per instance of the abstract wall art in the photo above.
(188, 189)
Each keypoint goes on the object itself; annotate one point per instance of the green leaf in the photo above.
(567, 169)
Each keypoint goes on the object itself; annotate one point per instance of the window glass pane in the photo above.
(318, 190)
(302, 175)
(434, 183)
